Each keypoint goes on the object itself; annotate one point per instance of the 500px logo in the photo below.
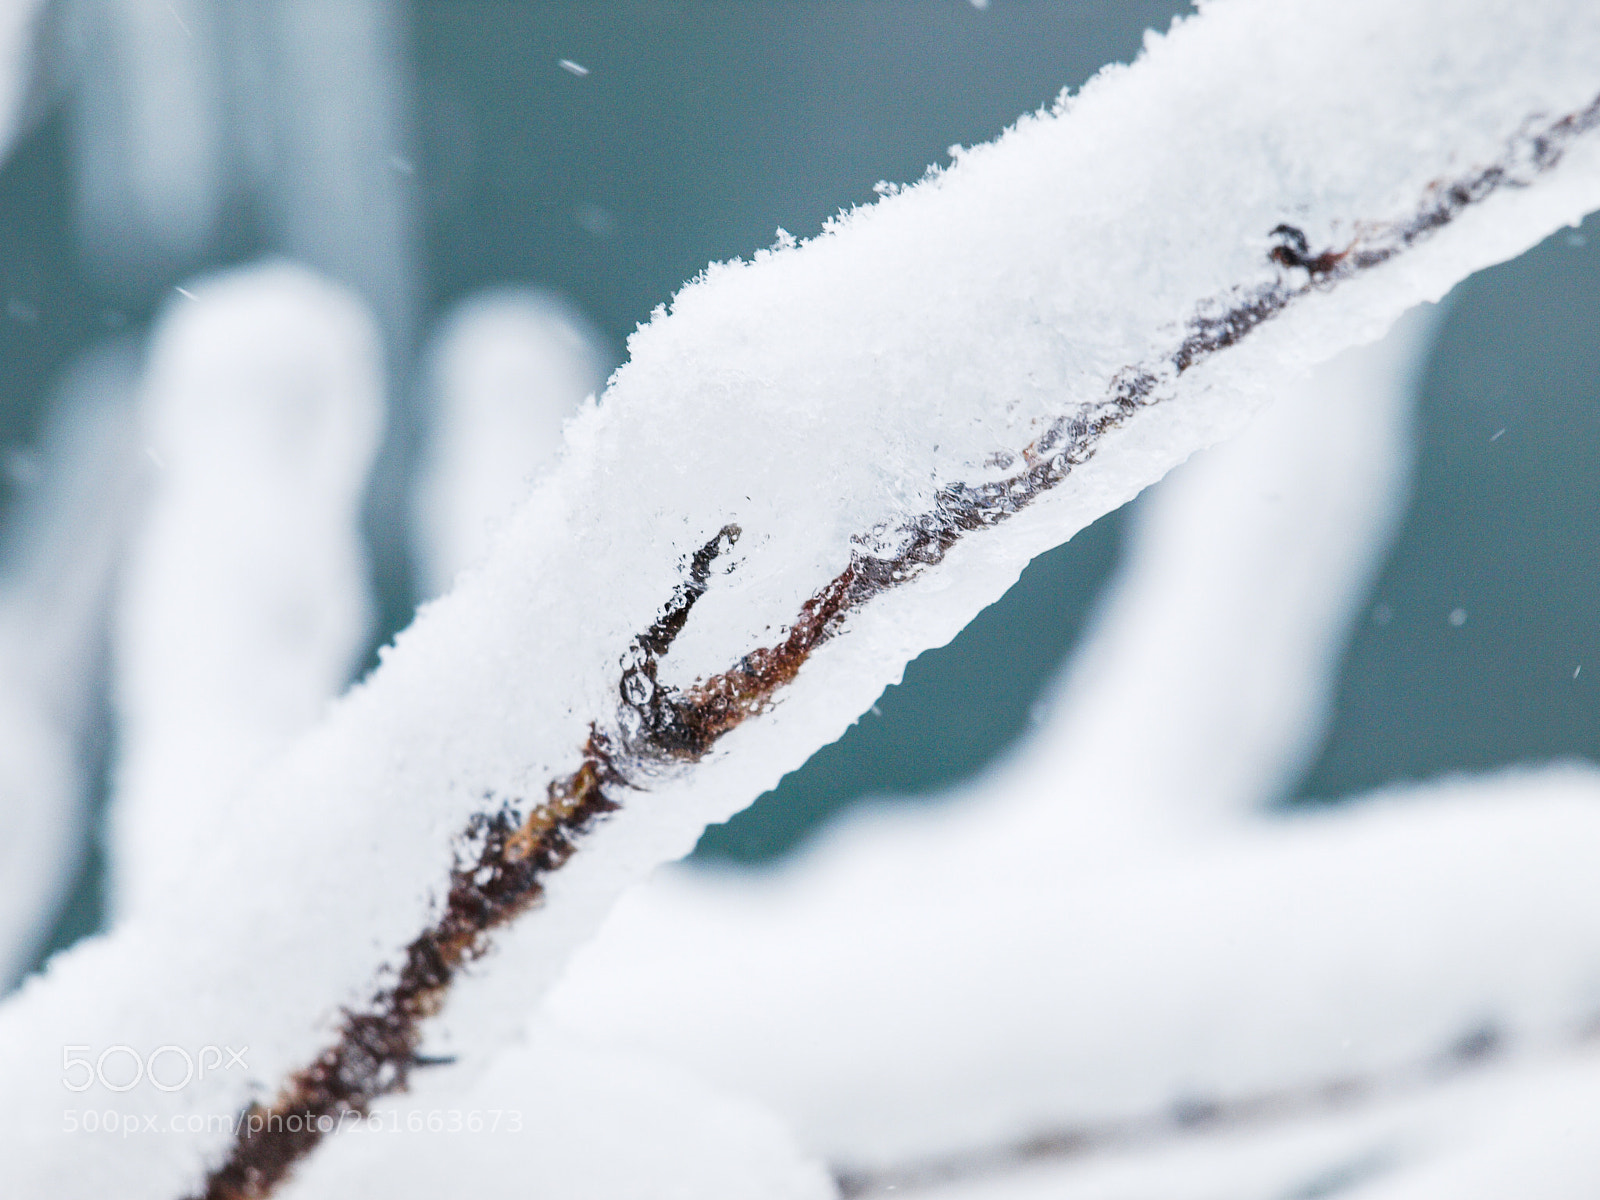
(166, 1068)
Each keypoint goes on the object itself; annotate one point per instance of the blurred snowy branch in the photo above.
(816, 465)
(506, 369)
(262, 409)
(182, 108)
(60, 553)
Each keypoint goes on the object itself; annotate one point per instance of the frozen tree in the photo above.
(816, 465)
(1135, 950)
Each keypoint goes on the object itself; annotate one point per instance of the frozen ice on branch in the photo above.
(817, 465)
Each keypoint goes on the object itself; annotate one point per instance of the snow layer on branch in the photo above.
(1205, 679)
(1530, 1134)
(245, 603)
(893, 1023)
(506, 370)
(575, 1122)
(1526, 1129)
(1284, 1158)
(1037, 333)
(1200, 690)
(1117, 945)
(55, 569)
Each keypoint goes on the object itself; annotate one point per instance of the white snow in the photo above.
(1110, 925)
(1106, 924)
(894, 1018)
(1525, 1130)
(577, 1122)
(817, 395)
(1203, 687)
(507, 368)
(60, 549)
(244, 607)
(1068, 946)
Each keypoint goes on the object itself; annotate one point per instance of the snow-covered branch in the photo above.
(815, 466)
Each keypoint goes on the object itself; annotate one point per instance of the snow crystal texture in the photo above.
(821, 398)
